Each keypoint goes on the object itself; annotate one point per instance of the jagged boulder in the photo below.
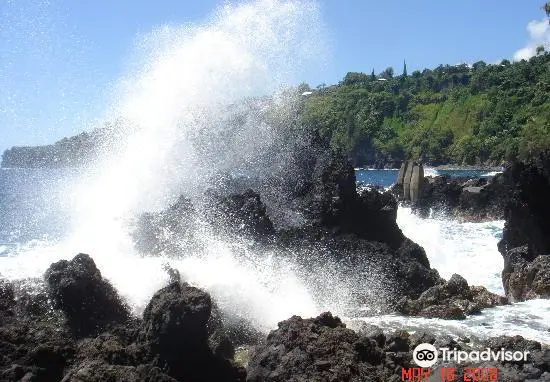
(239, 214)
(175, 328)
(454, 299)
(525, 243)
(525, 278)
(88, 300)
(318, 349)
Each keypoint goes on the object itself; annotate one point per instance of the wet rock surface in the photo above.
(182, 338)
(334, 222)
(90, 302)
(318, 349)
(178, 338)
(478, 199)
(323, 349)
(175, 328)
(454, 299)
(239, 214)
(525, 244)
(168, 232)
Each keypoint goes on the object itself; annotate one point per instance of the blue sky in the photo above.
(59, 57)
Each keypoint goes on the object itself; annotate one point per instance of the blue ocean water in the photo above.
(35, 203)
(35, 230)
(386, 178)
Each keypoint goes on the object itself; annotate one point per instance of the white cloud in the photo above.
(539, 34)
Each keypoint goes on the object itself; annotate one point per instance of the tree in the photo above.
(354, 78)
(452, 113)
(404, 68)
(540, 50)
(479, 65)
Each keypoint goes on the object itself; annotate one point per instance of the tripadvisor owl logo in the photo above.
(425, 355)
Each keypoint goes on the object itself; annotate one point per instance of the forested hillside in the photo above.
(454, 114)
(461, 114)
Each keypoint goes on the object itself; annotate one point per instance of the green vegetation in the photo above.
(462, 114)
(453, 114)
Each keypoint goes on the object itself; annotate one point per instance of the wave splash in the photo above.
(190, 109)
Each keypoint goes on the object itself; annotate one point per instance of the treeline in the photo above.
(461, 114)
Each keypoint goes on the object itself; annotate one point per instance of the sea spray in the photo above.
(469, 249)
(184, 120)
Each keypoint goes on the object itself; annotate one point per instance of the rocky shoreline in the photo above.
(467, 199)
(78, 329)
(75, 327)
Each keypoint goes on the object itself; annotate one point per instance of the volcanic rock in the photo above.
(97, 371)
(239, 214)
(524, 279)
(451, 300)
(7, 300)
(336, 225)
(318, 349)
(323, 349)
(525, 243)
(175, 327)
(179, 339)
(477, 199)
(88, 300)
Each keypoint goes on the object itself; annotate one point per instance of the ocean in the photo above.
(41, 221)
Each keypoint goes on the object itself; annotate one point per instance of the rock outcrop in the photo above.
(239, 214)
(175, 328)
(477, 199)
(525, 243)
(88, 336)
(454, 299)
(356, 230)
(168, 232)
(90, 302)
(323, 349)
(317, 349)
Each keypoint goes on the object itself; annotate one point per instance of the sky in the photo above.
(59, 58)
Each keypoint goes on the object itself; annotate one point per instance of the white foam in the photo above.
(177, 95)
(430, 171)
(491, 173)
(528, 319)
(469, 249)
(175, 105)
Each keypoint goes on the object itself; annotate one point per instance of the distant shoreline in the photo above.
(448, 167)
(466, 167)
